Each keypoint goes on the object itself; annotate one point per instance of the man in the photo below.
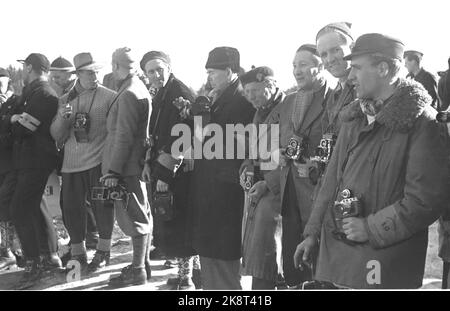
(300, 118)
(261, 225)
(62, 81)
(80, 125)
(61, 76)
(217, 196)
(416, 72)
(34, 157)
(172, 235)
(127, 125)
(444, 88)
(8, 104)
(333, 43)
(386, 181)
(109, 81)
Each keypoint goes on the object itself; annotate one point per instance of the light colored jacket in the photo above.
(127, 126)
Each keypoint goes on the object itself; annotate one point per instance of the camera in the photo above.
(117, 193)
(201, 105)
(325, 148)
(443, 117)
(81, 126)
(324, 151)
(249, 180)
(348, 206)
(296, 148)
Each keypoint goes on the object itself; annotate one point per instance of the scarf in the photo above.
(303, 101)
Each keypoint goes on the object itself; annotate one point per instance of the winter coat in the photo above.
(311, 127)
(7, 109)
(337, 100)
(127, 127)
(261, 225)
(397, 167)
(429, 82)
(218, 198)
(35, 148)
(174, 240)
(444, 90)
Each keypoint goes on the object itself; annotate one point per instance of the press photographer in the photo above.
(386, 180)
(301, 132)
(169, 192)
(261, 222)
(80, 126)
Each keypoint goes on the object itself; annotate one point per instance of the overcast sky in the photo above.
(265, 32)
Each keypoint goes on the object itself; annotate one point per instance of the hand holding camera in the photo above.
(344, 213)
(257, 191)
(66, 111)
(201, 105)
(109, 180)
(325, 148)
(15, 118)
(355, 229)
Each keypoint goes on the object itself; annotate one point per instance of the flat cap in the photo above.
(376, 43)
(413, 52)
(37, 61)
(61, 64)
(344, 27)
(154, 55)
(256, 75)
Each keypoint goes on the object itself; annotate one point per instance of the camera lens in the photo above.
(443, 117)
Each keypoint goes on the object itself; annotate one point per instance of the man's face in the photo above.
(157, 72)
(61, 78)
(257, 93)
(410, 65)
(218, 78)
(332, 49)
(26, 69)
(365, 77)
(305, 69)
(88, 79)
(4, 81)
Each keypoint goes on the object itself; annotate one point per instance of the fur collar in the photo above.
(400, 111)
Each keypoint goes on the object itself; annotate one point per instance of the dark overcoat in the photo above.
(218, 198)
(174, 237)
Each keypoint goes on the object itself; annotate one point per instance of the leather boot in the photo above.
(51, 262)
(129, 276)
(31, 275)
(100, 260)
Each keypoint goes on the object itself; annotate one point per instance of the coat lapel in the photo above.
(315, 109)
(226, 95)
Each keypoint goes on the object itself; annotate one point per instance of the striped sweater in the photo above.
(83, 156)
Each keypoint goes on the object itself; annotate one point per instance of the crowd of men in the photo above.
(361, 169)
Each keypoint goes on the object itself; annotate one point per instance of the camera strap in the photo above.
(90, 105)
(123, 88)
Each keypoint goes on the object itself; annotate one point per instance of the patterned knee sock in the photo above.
(196, 262)
(184, 268)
